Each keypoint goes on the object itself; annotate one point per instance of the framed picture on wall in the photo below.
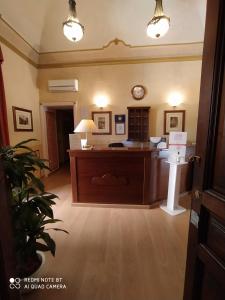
(22, 119)
(174, 120)
(120, 127)
(103, 121)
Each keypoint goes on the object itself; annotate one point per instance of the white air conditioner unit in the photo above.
(67, 85)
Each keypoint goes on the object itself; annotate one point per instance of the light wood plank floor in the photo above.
(115, 253)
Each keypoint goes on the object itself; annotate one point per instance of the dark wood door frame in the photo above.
(205, 268)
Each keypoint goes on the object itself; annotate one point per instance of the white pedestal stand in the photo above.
(172, 206)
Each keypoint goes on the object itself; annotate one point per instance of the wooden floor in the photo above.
(115, 253)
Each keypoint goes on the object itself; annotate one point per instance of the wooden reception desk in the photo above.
(121, 176)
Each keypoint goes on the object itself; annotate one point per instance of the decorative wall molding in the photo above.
(121, 62)
(18, 52)
(115, 52)
(17, 43)
(116, 42)
(17, 33)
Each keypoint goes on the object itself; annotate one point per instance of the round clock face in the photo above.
(138, 92)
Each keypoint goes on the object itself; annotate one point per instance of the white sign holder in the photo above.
(172, 206)
(176, 159)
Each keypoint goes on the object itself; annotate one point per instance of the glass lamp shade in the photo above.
(86, 126)
(73, 30)
(158, 27)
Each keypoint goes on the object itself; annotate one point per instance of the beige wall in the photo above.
(117, 80)
(20, 80)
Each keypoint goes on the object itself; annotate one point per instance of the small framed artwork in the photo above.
(174, 120)
(103, 121)
(120, 124)
(22, 118)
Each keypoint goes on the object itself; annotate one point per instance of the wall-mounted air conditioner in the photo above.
(67, 85)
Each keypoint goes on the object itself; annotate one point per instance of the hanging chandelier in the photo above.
(72, 28)
(159, 24)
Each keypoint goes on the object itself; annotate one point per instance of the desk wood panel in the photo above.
(118, 180)
(111, 176)
(122, 176)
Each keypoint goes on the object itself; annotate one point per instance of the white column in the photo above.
(172, 206)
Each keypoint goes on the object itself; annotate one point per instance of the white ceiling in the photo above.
(40, 22)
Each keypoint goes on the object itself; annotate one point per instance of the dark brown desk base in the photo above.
(120, 176)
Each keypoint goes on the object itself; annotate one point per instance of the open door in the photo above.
(205, 269)
(53, 153)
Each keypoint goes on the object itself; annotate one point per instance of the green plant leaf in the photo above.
(24, 142)
(49, 242)
(31, 206)
(50, 221)
(58, 229)
(41, 247)
(36, 181)
(45, 209)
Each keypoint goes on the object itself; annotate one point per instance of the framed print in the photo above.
(174, 120)
(103, 121)
(22, 119)
(120, 124)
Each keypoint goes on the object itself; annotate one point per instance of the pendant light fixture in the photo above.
(72, 28)
(159, 24)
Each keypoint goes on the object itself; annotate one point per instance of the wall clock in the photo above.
(138, 92)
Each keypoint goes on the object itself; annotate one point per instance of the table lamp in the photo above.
(85, 126)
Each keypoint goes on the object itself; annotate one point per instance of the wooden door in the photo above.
(7, 255)
(205, 268)
(53, 152)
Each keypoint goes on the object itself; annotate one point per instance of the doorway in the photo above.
(65, 126)
(58, 121)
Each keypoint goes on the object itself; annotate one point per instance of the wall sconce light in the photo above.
(175, 99)
(101, 100)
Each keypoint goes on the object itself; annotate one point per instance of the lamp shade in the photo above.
(159, 24)
(158, 27)
(86, 126)
(73, 30)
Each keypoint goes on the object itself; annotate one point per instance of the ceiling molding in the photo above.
(118, 51)
(17, 43)
(18, 34)
(121, 62)
(116, 42)
(18, 52)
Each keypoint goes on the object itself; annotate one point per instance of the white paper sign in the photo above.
(177, 147)
(178, 138)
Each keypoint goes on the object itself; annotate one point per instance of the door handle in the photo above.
(197, 194)
(194, 158)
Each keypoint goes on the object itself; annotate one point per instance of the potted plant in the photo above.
(31, 206)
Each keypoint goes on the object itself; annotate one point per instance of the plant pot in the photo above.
(26, 286)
